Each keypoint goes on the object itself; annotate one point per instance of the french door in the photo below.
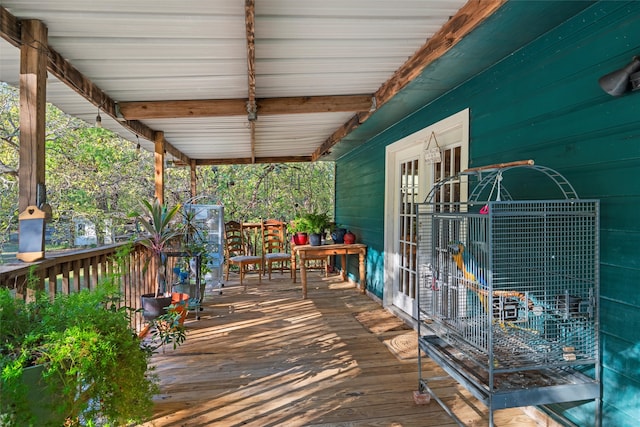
(408, 195)
(409, 180)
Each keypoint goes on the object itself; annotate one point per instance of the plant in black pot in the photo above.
(157, 222)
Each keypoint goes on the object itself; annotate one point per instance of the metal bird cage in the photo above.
(508, 289)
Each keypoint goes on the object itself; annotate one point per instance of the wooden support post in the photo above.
(194, 179)
(33, 98)
(159, 166)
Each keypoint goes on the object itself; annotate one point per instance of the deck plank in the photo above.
(265, 357)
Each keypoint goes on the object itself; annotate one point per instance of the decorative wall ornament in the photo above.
(432, 153)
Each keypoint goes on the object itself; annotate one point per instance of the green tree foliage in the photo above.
(91, 173)
(254, 192)
(95, 175)
(9, 145)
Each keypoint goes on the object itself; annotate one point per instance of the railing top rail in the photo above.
(10, 270)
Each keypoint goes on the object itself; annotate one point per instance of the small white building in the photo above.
(86, 235)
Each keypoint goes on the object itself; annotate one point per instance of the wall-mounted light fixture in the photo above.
(619, 82)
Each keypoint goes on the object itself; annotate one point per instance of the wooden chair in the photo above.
(274, 245)
(236, 251)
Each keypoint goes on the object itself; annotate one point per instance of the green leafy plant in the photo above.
(156, 221)
(311, 222)
(93, 362)
(165, 329)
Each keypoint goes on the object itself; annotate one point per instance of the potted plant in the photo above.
(314, 224)
(160, 230)
(80, 352)
(76, 359)
(298, 229)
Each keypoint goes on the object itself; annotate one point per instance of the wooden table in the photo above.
(305, 252)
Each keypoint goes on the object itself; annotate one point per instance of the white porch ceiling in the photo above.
(155, 50)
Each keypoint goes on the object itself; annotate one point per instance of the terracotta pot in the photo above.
(181, 303)
(349, 238)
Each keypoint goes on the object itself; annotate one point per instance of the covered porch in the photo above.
(264, 357)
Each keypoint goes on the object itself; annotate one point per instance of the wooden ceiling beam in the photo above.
(472, 14)
(141, 110)
(10, 27)
(315, 104)
(252, 108)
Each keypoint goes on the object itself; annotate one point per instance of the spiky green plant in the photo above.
(157, 223)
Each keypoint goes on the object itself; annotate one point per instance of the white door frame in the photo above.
(450, 131)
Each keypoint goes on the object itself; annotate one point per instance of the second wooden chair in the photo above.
(274, 245)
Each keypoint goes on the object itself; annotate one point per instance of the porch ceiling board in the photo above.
(144, 50)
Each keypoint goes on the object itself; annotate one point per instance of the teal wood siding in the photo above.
(362, 212)
(543, 102)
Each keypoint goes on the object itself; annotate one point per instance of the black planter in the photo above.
(338, 235)
(315, 239)
(153, 307)
(42, 400)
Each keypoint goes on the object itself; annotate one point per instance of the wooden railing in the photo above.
(72, 271)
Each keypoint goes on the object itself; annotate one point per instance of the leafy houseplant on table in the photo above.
(85, 360)
(298, 229)
(314, 224)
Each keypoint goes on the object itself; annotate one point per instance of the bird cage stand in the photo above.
(508, 290)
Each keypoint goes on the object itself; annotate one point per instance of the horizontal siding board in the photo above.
(616, 215)
(620, 320)
(623, 360)
(614, 283)
(624, 392)
(607, 179)
(620, 248)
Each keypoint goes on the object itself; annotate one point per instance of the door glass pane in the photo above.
(449, 195)
(407, 226)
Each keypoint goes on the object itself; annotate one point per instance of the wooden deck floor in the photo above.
(265, 357)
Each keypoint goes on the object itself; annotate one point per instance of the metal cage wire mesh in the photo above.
(516, 285)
